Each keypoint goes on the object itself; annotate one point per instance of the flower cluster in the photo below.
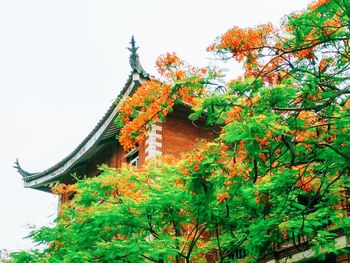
(152, 101)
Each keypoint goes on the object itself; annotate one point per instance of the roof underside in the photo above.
(94, 141)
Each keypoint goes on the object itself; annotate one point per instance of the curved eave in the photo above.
(104, 127)
(64, 166)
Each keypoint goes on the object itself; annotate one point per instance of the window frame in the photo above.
(133, 157)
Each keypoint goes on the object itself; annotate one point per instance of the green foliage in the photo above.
(278, 172)
(25, 257)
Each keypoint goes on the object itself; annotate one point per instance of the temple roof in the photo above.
(103, 130)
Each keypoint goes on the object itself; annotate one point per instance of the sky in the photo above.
(62, 64)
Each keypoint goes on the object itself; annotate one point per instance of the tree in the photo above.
(279, 169)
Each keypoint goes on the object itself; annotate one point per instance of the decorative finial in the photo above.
(133, 48)
(134, 57)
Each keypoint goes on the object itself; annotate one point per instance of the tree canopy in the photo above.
(278, 170)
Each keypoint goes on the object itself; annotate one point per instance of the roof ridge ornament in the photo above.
(134, 57)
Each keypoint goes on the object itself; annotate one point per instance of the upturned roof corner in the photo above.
(20, 170)
(91, 144)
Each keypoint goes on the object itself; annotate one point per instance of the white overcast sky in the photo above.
(63, 62)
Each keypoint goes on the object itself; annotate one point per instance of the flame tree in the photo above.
(277, 172)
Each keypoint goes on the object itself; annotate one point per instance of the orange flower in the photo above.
(310, 117)
(263, 157)
(62, 189)
(304, 184)
(317, 3)
(233, 114)
(263, 142)
(180, 75)
(166, 61)
(284, 234)
(242, 42)
(222, 197)
(347, 104)
(302, 135)
(323, 64)
(178, 182)
(305, 53)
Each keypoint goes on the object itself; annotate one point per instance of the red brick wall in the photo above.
(179, 134)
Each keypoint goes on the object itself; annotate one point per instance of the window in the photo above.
(132, 157)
